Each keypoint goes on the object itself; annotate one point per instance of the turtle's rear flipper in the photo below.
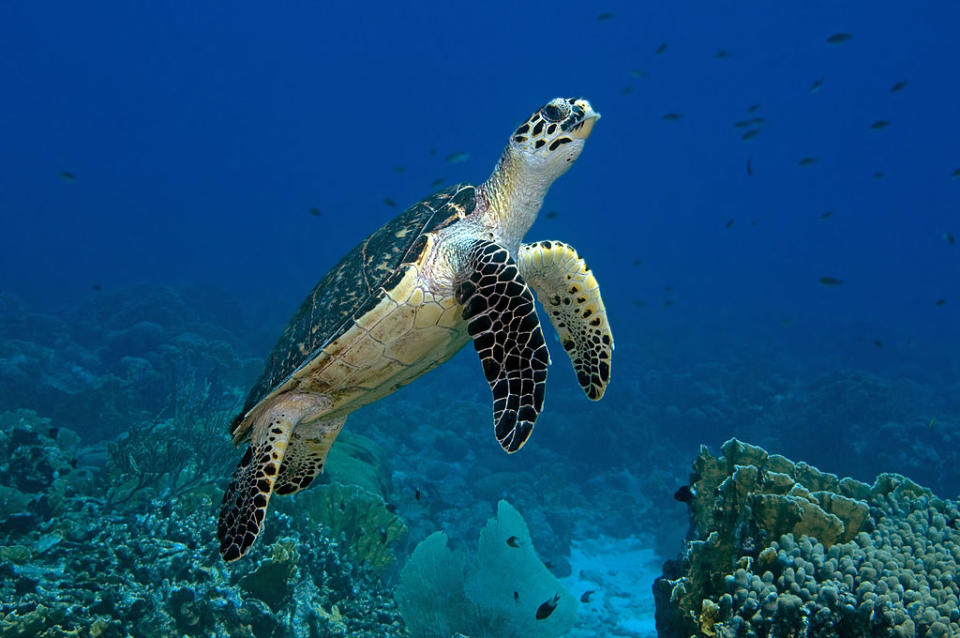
(570, 293)
(245, 501)
(306, 455)
(502, 319)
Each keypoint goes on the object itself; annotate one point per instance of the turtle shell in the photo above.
(355, 285)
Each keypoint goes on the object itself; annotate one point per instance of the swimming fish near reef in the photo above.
(742, 124)
(941, 302)
(391, 508)
(932, 422)
(898, 86)
(808, 161)
(417, 494)
(438, 181)
(685, 494)
(551, 214)
(638, 73)
(816, 85)
(879, 124)
(749, 134)
(585, 596)
(955, 174)
(544, 610)
(827, 215)
(96, 287)
(753, 108)
(878, 343)
(389, 202)
(627, 90)
(399, 170)
(513, 541)
(729, 223)
(950, 238)
(839, 38)
(672, 117)
(68, 176)
(878, 175)
(603, 17)
(457, 158)
(315, 212)
(721, 54)
(831, 281)
(661, 48)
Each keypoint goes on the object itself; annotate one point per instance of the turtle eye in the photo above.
(552, 113)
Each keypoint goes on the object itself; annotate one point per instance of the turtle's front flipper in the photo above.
(502, 318)
(245, 501)
(569, 292)
(306, 454)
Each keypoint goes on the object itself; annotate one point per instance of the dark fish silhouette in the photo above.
(551, 214)
(97, 287)
(667, 303)
(749, 134)
(383, 535)
(516, 596)
(627, 90)
(879, 124)
(513, 541)
(729, 223)
(417, 494)
(389, 202)
(544, 610)
(603, 17)
(878, 343)
(315, 212)
(68, 176)
(950, 238)
(438, 181)
(827, 215)
(816, 85)
(639, 303)
(585, 596)
(955, 174)
(940, 302)
(749, 167)
(742, 123)
(391, 508)
(685, 494)
(457, 158)
(721, 54)
(638, 73)
(661, 48)
(753, 108)
(831, 281)
(898, 86)
(399, 170)
(807, 161)
(672, 117)
(878, 175)
(839, 38)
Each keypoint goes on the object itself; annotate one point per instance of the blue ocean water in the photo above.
(175, 178)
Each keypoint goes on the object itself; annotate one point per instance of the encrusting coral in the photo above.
(778, 548)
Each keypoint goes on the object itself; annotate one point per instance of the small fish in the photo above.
(668, 289)
(878, 343)
(950, 238)
(685, 494)
(389, 202)
(955, 174)
(551, 214)
(399, 170)
(548, 564)
(438, 181)
(808, 161)
(516, 596)
(673, 117)
(879, 124)
(786, 321)
(639, 303)
(458, 157)
(940, 302)
(878, 175)
(417, 494)
(749, 134)
(932, 422)
(753, 108)
(721, 54)
(315, 212)
(839, 38)
(758, 120)
(749, 167)
(637, 262)
(638, 74)
(729, 223)
(96, 287)
(391, 508)
(383, 535)
(831, 281)
(513, 541)
(661, 48)
(667, 303)
(816, 85)
(544, 610)
(627, 90)
(826, 215)
(898, 86)
(603, 17)
(741, 123)
(585, 596)
(343, 508)
(432, 151)
(68, 176)
(754, 223)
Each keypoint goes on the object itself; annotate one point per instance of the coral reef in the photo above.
(505, 592)
(778, 548)
(73, 564)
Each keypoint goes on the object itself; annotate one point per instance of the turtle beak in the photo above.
(583, 129)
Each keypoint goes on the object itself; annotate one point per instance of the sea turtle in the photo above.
(409, 296)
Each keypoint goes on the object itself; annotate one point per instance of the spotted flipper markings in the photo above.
(306, 454)
(501, 317)
(245, 501)
(570, 294)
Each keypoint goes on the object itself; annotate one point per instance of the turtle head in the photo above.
(551, 139)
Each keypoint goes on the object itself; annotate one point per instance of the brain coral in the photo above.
(782, 549)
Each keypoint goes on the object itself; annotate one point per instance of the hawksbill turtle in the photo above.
(449, 269)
